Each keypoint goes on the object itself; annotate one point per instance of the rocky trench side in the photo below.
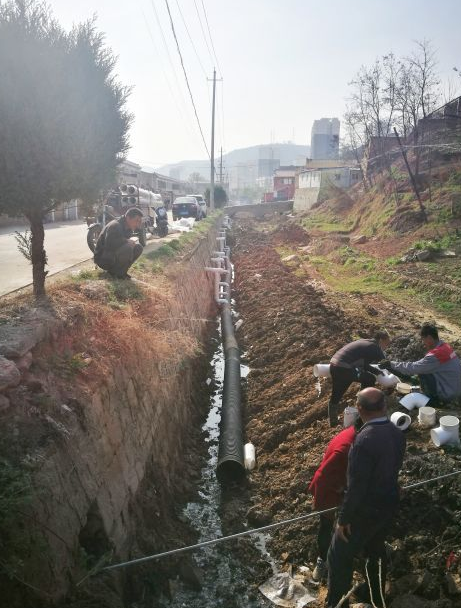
(290, 323)
(100, 442)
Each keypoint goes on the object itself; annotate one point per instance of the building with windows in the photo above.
(284, 183)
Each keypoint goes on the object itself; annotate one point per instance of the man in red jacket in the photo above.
(327, 487)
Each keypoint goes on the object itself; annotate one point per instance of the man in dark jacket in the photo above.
(352, 364)
(439, 371)
(327, 487)
(115, 251)
(370, 502)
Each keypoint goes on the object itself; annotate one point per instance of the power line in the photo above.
(185, 76)
(203, 31)
(167, 80)
(165, 44)
(221, 539)
(191, 39)
(211, 39)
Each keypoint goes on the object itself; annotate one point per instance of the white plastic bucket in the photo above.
(402, 421)
(413, 400)
(447, 432)
(322, 370)
(350, 416)
(426, 416)
(249, 456)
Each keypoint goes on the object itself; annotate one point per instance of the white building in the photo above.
(314, 185)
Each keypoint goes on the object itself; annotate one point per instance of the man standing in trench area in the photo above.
(370, 502)
(352, 364)
(115, 252)
(327, 487)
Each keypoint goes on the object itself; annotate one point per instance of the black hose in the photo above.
(230, 455)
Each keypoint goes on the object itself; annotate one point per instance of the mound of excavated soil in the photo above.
(290, 324)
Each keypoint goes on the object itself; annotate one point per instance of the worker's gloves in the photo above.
(385, 364)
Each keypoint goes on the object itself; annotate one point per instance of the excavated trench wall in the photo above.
(137, 417)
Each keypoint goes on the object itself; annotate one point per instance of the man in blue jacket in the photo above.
(370, 502)
(439, 371)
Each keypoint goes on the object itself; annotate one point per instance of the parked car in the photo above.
(186, 206)
(202, 202)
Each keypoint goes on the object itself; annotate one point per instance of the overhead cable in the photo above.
(211, 39)
(186, 78)
(191, 39)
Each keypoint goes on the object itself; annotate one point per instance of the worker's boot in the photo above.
(320, 571)
(333, 414)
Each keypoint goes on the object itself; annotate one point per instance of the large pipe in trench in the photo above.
(230, 454)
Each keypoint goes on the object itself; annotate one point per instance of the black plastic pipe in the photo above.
(230, 454)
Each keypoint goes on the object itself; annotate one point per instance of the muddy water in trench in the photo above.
(226, 575)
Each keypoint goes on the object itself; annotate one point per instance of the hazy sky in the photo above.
(284, 63)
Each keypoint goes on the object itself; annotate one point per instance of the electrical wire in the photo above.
(211, 39)
(170, 60)
(221, 539)
(191, 39)
(167, 80)
(203, 32)
(186, 78)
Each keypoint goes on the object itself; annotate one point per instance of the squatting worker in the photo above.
(370, 502)
(439, 371)
(352, 364)
(115, 252)
(327, 487)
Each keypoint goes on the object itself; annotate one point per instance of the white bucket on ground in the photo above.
(426, 416)
(322, 370)
(413, 400)
(249, 456)
(447, 432)
(402, 421)
(350, 416)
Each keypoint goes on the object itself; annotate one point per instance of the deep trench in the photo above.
(228, 573)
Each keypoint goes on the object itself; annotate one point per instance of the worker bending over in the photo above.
(327, 487)
(370, 502)
(352, 364)
(115, 252)
(439, 371)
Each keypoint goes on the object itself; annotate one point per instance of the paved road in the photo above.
(65, 245)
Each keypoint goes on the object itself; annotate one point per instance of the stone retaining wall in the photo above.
(94, 446)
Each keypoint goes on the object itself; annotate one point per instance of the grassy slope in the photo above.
(374, 267)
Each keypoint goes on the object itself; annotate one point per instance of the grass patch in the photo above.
(326, 223)
(68, 365)
(121, 291)
(86, 275)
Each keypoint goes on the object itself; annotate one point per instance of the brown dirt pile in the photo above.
(290, 324)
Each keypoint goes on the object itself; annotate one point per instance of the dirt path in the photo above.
(290, 323)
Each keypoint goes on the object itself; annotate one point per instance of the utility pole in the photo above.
(412, 177)
(220, 169)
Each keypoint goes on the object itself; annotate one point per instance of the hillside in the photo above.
(287, 153)
(375, 240)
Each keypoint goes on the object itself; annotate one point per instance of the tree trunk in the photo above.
(38, 255)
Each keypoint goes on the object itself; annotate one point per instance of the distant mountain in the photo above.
(286, 153)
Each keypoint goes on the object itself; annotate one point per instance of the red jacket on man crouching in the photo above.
(329, 481)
